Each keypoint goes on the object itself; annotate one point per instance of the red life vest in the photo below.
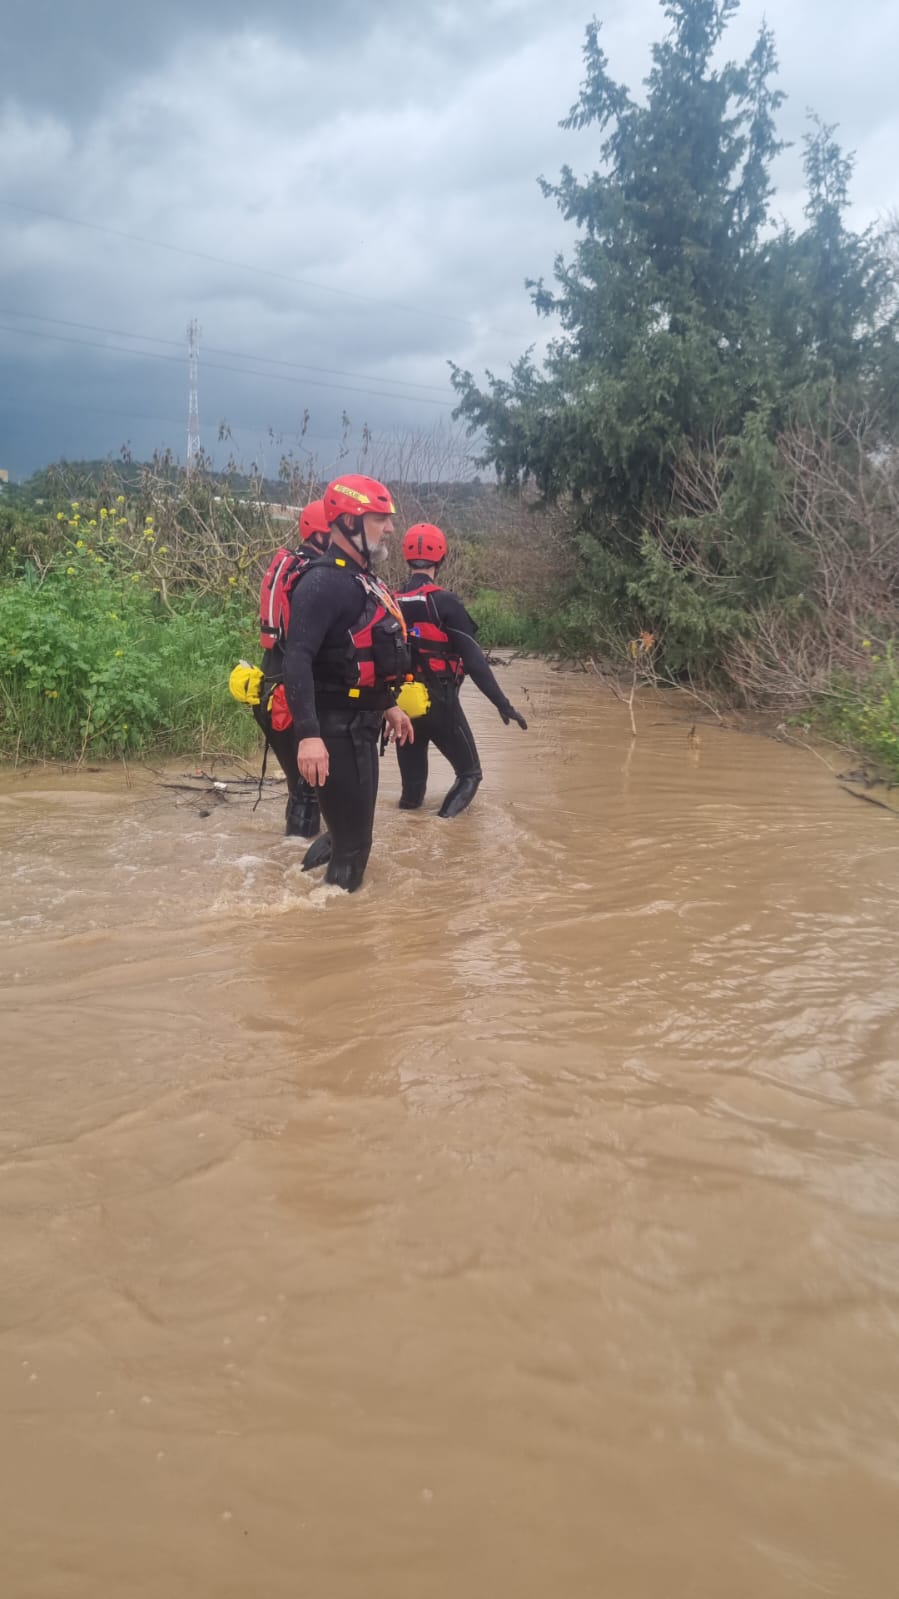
(373, 655)
(431, 650)
(379, 653)
(285, 568)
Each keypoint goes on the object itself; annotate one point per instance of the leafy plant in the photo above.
(90, 661)
(862, 710)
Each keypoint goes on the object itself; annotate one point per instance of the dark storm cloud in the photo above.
(76, 55)
(350, 188)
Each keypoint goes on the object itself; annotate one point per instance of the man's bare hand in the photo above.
(399, 726)
(313, 761)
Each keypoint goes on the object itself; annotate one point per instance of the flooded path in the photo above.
(524, 1227)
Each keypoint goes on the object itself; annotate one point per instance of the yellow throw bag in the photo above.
(413, 698)
(245, 683)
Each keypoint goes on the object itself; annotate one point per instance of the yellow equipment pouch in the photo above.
(413, 698)
(245, 683)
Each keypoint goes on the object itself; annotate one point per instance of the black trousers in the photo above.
(446, 726)
(284, 747)
(348, 797)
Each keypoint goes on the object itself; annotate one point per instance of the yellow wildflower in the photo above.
(149, 534)
(70, 570)
(74, 504)
(163, 549)
(119, 652)
(79, 544)
(135, 577)
(60, 516)
(232, 581)
(92, 523)
(866, 643)
(103, 513)
(120, 499)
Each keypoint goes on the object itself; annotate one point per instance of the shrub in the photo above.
(863, 710)
(90, 661)
(503, 623)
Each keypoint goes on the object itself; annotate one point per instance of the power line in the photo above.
(278, 431)
(238, 355)
(242, 266)
(218, 366)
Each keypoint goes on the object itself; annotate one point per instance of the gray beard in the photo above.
(377, 554)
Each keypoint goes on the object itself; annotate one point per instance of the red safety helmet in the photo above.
(354, 495)
(424, 542)
(313, 520)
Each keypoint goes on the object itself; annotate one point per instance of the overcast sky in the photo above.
(346, 187)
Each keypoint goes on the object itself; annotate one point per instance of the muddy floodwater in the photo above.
(525, 1226)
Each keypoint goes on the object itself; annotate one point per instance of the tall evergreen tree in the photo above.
(685, 315)
(656, 305)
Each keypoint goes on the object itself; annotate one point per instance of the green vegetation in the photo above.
(863, 710)
(93, 661)
(718, 415)
(504, 623)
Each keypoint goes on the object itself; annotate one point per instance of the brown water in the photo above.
(526, 1225)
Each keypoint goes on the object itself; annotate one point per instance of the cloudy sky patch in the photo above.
(350, 193)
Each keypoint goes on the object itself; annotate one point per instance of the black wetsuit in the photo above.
(445, 724)
(303, 815)
(329, 604)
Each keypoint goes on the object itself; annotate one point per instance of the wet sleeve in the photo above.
(461, 630)
(317, 608)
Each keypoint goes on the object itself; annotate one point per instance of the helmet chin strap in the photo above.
(359, 532)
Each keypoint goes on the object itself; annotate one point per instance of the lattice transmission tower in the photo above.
(193, 404)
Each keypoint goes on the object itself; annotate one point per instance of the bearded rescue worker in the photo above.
(302, 815)
(444, 648)
(345, 660)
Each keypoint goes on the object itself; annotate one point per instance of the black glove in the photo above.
(509, 714)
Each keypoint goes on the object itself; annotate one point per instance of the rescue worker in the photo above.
(302, 819)
(345, 660)
(444, 648)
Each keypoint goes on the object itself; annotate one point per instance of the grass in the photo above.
(92, 661)
(504, 623)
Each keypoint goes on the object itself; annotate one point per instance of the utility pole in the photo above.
(193, 405)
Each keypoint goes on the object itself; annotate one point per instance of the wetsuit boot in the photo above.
(302, 817)
(460, 796)
(348, 870)
(318, 854)
(412, 797)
